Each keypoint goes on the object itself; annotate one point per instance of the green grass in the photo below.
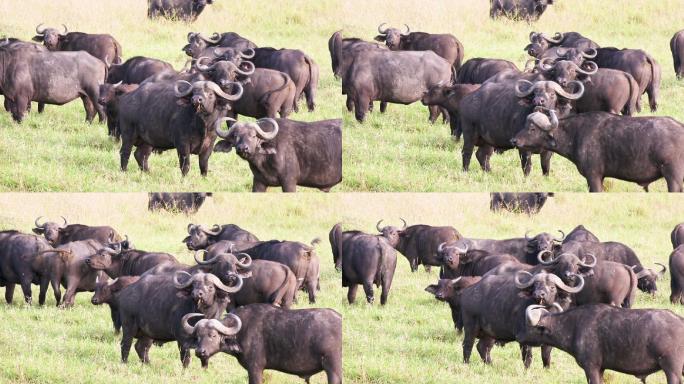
(397, 151)
(411, 340)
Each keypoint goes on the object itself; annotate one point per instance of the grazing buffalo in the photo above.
(642, 66)
(109, 99)
(58, 234)
(449, 291)
(526, 202)
(289, 154)
(541, 42)
(201, 237)
(619, 253)
(581, 234)
(136, 69)
(49, 78)
(151, 310)
(419, 243)
(21, 262)
(677, 235)
(449, 97)
(600, 144)
(494, 310)
(492, 115)
(184, 10)
(363, 259)
(104, 47)
(299, 257)
(300, 342)
(478, 70)
(200, 45)
(528, 10)
(106, 292)
(445, 45)
(677, 48)
(150, 118)
(677, 275)
(265, 281)
(116, 261)
(189, 202)
(654, 339)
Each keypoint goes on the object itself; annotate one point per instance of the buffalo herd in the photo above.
(535, 290)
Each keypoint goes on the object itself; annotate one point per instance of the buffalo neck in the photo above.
(564, 137)
(560, 330)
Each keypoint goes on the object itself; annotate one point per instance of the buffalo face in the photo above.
(444, 290)
(199, 236)
(538, 132)
(205, 96)
(391, 233)
(49, 229)
(647, 278)
(205, 288)
(225, 73)
(107, 94)
(249, 139)
(451, 254)
(50, 37)
(544, 287)
(436, 95)
(211, 335)
(391, 36)
(103, 293)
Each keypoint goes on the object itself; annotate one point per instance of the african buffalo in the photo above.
(300, 342)
(677, 235)
(150, 119)
(677, 275)
(58, 234)
(136, 69)
(419, 243)
(478, 70)
(581, 234)
(448, 290)
(642, 66)
(445, 45)
(104, 47)
(188, 202)
(492, 115)
(199, 45)
(541, 42)
(654, 339)
(529, 203)
(49, 78)
(185, 10)
(201, 237)
(109, 99)
(600, 144)
(289, 154)
(21, 262)
(449, 98)
(363, 259)
(528, 10)
(106, 292)
(117, 261)
(5, 236)
(151, 309)
(677, 48)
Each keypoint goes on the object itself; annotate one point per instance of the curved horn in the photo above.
(521, 93)
(214, 39)
(263, 134)
(65, 222)
(662, 271)
(533, 34)
(456, 280)
(115, 86)
(36, 222)
(40, 31)
(571, 96)
(589, 53)
(214, 87)
(178, 92)
(202, 67)
(461, 250)
(248, 53)
(404, 221)
(248, 72)
(204, 262)
(191, 36)
(215, 230)
(534, 313)
(560, 284)
(408, 30)
(65, 29)
(228, 331)
(189, 329)
(217, 282)
(219, 125)
(557, 38)
(190, 227)
(643, 273)
(440, 248)
(177, 283)
(589, 265)
(519, 284)
(377, 226)
(540, 257)
(528, 238)
(543, 64)
(562, 236)
(382, 31)
(593, 68)
(246, 261)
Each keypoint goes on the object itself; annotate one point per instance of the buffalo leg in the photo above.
(333, 370)
(383, 106)
(184, 160)
(455, 125)
(386, 285)
(351, 294)
(434, 113)
(483, 154)
(525, 161)
(125, 151)
(41, 107)
(141, 154)
(368, 290)
(526, 352)
(467, 151)
(256, 375)
(594, 375)
(546, 162)
(311, 290)
(546, 355)
(595, 183)
(289, 185)
(204, 160)
(142, 347)
(89, 108)
(361, 107)
(70, 294)
(126, 341)
(484, 347)
(350, 104)
(116, 320)
(672, 367)
(56, 290)
(446, 117)
(18, 107)
(44, 283)
(468, 342)
(26, 289)
(673, 177)
(9, 292)
(184, 355)
(258, 186)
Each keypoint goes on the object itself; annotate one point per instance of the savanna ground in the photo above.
(397, 151)
(410, 340)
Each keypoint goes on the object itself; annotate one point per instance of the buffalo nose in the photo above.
(197, 100)
(243, 148)
(514, 142)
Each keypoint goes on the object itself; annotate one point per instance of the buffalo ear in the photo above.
(38, 231)
(37, 38)
(380, 38)
(186, 240)
(432, 288)
(223, 146)
(266, 149)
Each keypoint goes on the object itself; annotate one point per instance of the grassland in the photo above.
(411, 340)
(397, 151)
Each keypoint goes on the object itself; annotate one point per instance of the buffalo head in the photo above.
(106, 288)
(543, 242)
(543, 287)
(567, 265)
(205, 288)
(249, 139)
(205, 96)
(538, 132)
(648, 277)
(50, 37)
(548, 94)
(451, 254)
(49, 229)
(449, 289)
(540, 42)
(108, 93)
(391, 233)
(391, 36)
(109, 258)
(200, 237)
(233, 55)
(212, 335)
(226, 265)
(224, 73)
(565, 71)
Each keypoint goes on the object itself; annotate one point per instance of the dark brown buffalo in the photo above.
(58, 234)
(445, 45)
(526, 202)
(106, 292)
(185, 10)
(642, 66)
(528, 10)
(637, 342)
(581, 234)
(677, 275)
(636, 149)
(5, 236)
(104, 47)
(109, 99)
(186, 202)
(150, 119)
(200, 237)
(449, 291)
(677, 48)
(449, 98)
(290, 154)
(49, 78)
(677, 235)
(478, 70)
(26, 45)
(136, 69)
(419, 243)
(363, 259)
(300, 342)
(151, 310)
(541, 42)
(116, 261)
(21, 262)
(200, 45)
